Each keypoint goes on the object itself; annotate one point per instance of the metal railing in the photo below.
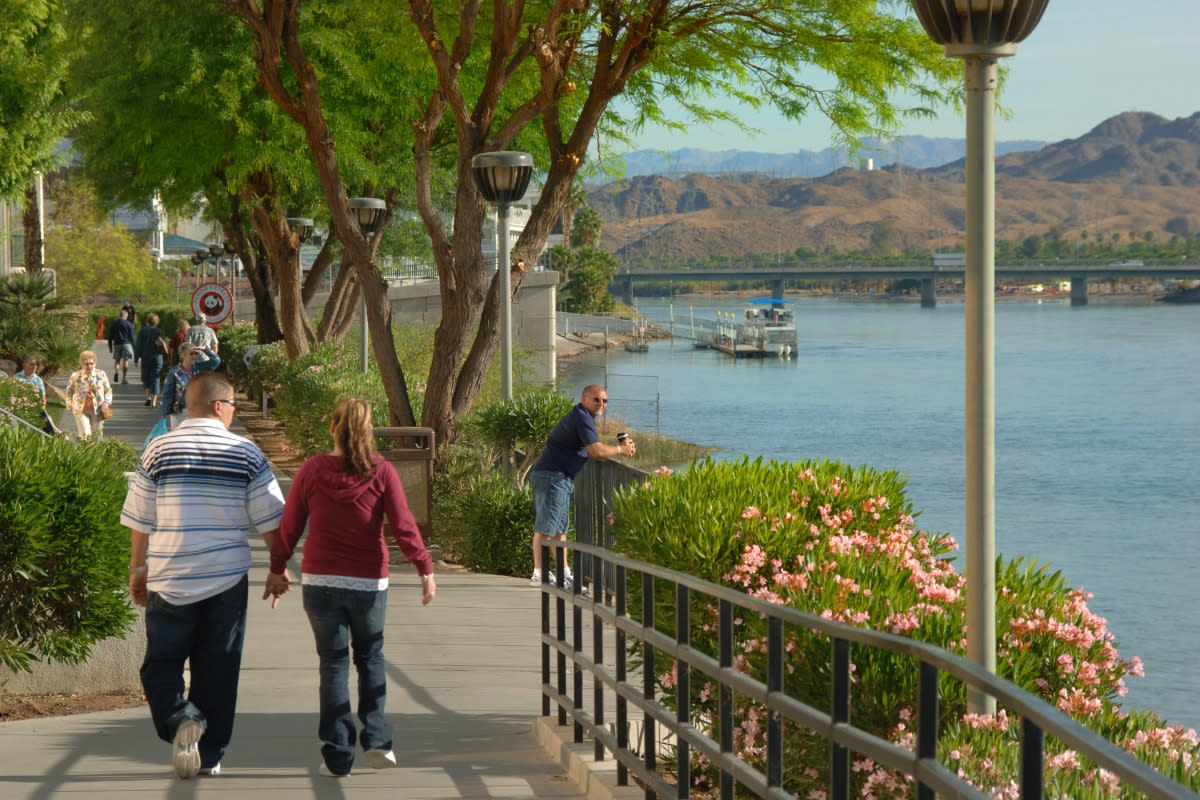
(16, 422)
(610, 577)
(563, 634)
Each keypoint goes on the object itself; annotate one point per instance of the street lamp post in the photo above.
(980, 32)
(227, 249)
(201, 265)
(502, 178)
(368, 212)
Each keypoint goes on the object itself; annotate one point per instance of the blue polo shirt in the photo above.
(566, 449)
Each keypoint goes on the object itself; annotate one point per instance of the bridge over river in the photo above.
(1078, 273)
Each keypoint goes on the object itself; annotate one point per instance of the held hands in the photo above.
(626, 447)
(276, 587)
(137, 587)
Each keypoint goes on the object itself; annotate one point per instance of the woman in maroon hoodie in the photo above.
(344, 497)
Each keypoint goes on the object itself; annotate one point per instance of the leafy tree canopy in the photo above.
(33, 113)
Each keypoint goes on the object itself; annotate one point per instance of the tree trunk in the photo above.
(343, 303)
(29, 222)
(312, 281)
(276, 33)
(283, 252)
(257, 268)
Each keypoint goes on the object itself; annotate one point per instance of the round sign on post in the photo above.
(214, 301)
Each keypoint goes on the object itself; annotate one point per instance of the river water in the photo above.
(1097, 438)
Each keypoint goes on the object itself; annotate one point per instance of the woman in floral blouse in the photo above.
(87, 391)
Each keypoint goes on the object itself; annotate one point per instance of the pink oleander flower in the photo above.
(663, 471)
(750, 512)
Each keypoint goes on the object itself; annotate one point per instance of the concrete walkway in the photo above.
(462, 696)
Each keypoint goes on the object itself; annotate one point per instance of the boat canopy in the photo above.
(766, 300)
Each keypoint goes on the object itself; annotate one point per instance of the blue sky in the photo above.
(1088, 60)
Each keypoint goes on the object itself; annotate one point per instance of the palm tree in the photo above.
(35, 321)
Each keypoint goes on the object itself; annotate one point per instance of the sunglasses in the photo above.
(232, 403)
(603, 400)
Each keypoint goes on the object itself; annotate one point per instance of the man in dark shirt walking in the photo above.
(571, 443)
(120, 344)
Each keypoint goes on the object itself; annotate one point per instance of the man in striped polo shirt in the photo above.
(196, 493)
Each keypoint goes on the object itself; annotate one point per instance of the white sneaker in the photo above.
(381, 759)
(215, 769)
(185, 750)
(328, 773)
(568, 578)
(536, 579)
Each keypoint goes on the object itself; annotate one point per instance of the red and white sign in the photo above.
(214, 301)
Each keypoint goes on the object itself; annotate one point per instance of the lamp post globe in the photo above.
(301, 226)
(502, 177)
(368, 213)
(980, 32)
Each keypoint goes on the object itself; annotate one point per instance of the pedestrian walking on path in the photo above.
(120, 344)
(343, 497)
(89, 396)
(190, 506)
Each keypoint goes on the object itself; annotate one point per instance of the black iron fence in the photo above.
(623, 681)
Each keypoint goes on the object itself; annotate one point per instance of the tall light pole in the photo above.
(980, 32)
(227, 249)
(502, 177)
(201, 261)
(368, 212)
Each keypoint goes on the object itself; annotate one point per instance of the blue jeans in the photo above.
(209, 634)
(341, 618)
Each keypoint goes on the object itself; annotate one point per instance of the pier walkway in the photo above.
(463, 697)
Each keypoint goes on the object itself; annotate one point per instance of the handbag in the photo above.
(104, 411)
(162, 346)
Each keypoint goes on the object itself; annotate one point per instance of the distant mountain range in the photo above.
(919, 152)
(1131, 174)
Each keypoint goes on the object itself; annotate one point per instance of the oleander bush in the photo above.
(841, 543)
(21, 400)
(63, 551)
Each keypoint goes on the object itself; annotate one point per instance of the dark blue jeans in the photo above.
(209, 634)
(341, 619)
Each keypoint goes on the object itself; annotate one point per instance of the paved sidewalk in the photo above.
(462, 697)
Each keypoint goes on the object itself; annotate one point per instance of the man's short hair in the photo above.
(206, 387)
(124, 314)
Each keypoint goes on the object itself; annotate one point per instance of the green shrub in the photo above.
(63, 552)
(522, 423)
(22, 400)
(839, 542)
(497, 523)
(236, 340)
(36, 322)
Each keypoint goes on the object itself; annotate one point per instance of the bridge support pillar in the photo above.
(1079, 290)
(777, 289)
(928, 293)
(628, 290)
